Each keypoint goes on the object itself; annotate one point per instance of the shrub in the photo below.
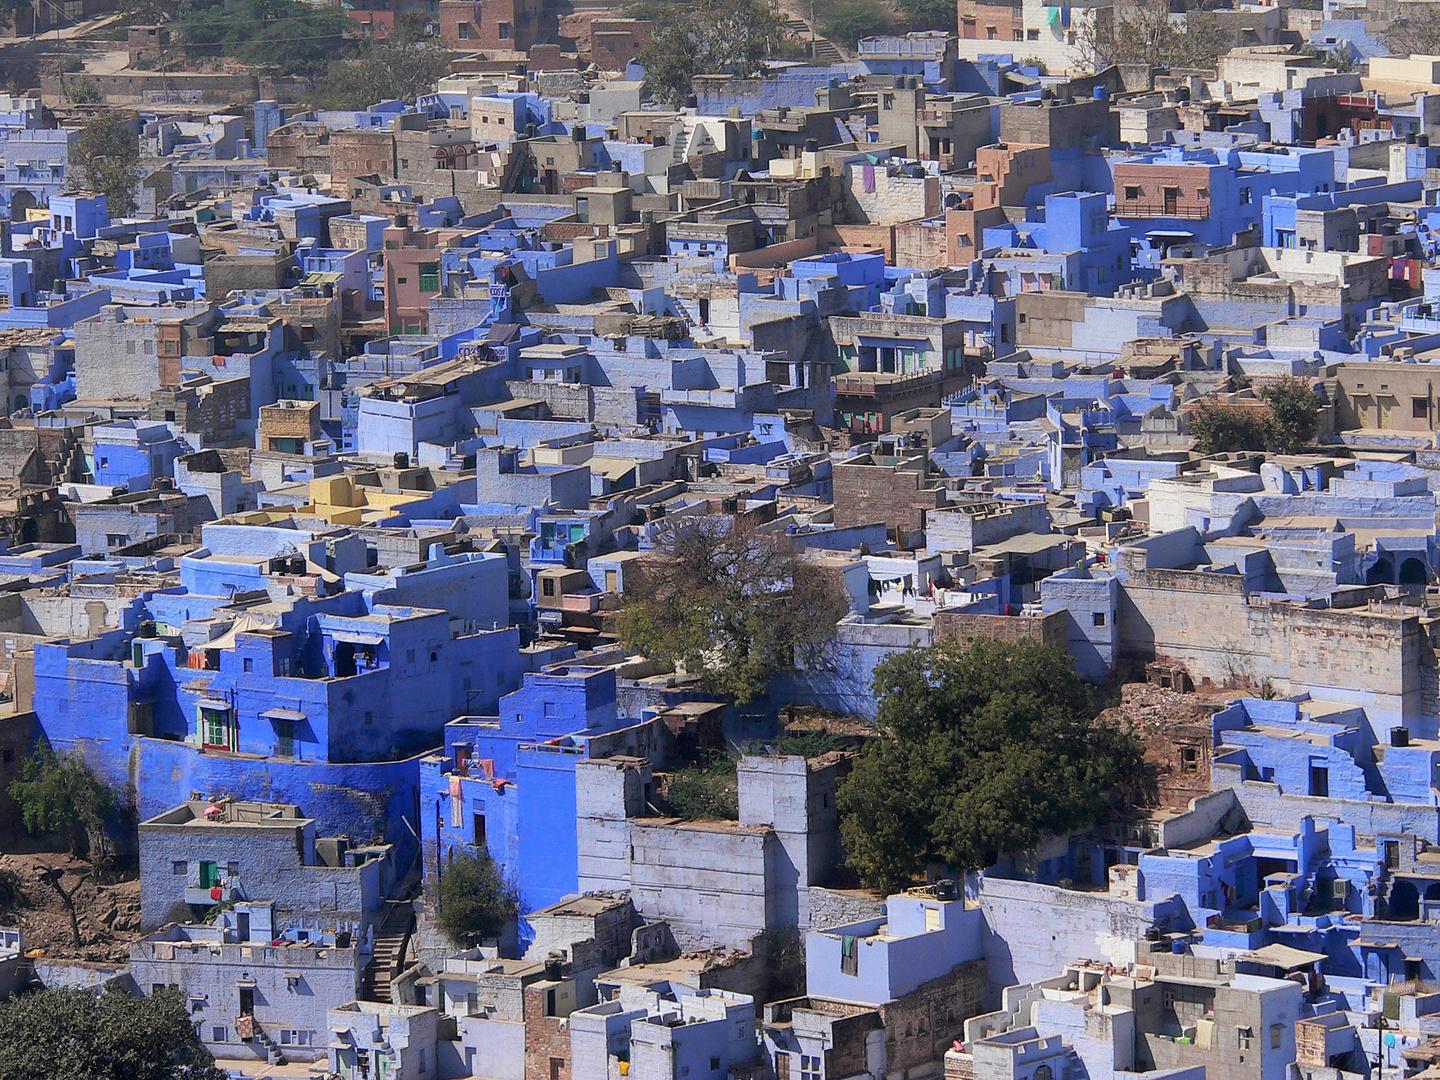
(473, 899)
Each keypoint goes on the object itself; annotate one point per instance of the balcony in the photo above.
(1184, 209)
(204, 896)
(882, 384)
(879, 48)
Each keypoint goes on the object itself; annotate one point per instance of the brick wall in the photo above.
(837, 907)
(296, 146)
(615, 42)
(547, 1040)
(921, 244)
(290, 421)
(1147, 191)
(219, 411)
(865, 494)
(967, 629)
(359, 153)
(489, 24)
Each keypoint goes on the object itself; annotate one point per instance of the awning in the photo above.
(887, 341)
(320, 279)
(1285, 957)
(358, 639)
(245, 622)
(282, 714)
(214, 703)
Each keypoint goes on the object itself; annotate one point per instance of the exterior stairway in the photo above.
(821, 50)
(273, 1054)
(388, 957)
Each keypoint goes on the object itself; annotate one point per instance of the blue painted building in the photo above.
(1076, 225)
(133, 454)
(1209, 195)
(506, 783)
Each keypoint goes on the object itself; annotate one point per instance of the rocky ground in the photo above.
(1151, 709)
(108, 910)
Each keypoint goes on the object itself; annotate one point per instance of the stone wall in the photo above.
(1026, 939)
(1296, 648)
(921, 1026)
(838, 907)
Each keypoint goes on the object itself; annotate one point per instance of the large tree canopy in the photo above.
(730, 603)
(81, 1035)
(1294, 413)
(1151, 32)
(105, 160)
(61, 795)
(982, 752)
(288, 37)
(403, 65)
(1288, 424)
(708, 37)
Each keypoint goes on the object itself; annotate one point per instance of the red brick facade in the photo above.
(470, 25)
(359, 153)
(1147, 191)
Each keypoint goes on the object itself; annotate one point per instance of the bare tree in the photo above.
(1416, 34)
(1150, 33)
(54, 876)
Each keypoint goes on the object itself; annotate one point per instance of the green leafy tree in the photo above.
(659, 11)
(930, 14)
(1227, 429)
(706, 792)
(730, 603)
(983, 751)
(1294, 414)
(105, 159)
(403, 65)
(149, 12)
(61, 796)
(80, 1035)
(847, 21)
(473, 899)
(286, 37)
(83, 91)
(712, 37)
